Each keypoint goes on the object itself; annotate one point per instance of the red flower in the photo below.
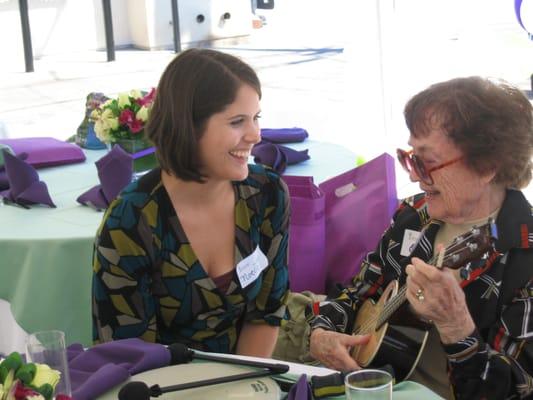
(127, 117)
(135, 126)
(149, 98)
(21, 392)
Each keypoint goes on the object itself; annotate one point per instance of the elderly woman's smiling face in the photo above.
(458, 193)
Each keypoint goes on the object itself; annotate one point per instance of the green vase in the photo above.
(141, 164)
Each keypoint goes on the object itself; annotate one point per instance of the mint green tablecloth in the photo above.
(407, 391)
(45, 254)
(401, 391)
(45, 262)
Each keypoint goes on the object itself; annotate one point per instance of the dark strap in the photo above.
(333, 384)
(328, 385)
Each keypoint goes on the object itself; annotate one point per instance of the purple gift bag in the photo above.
(359, 207)
(307, 268)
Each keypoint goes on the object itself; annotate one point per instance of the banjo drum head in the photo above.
(263, 388)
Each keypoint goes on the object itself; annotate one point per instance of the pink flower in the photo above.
(136, 126)
(148, 99)
(127, 117)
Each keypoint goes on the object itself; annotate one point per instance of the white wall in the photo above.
(154, 20)
(63, 26)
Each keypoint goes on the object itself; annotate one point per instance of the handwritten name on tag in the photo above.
(250, 268)
(410, 239)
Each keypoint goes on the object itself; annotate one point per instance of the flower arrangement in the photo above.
(19, 381)
(123, 117)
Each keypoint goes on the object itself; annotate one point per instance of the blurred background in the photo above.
(341, 69)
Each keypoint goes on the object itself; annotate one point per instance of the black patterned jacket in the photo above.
(496, 360)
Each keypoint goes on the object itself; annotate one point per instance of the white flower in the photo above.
(35, 397)
(142, 114)
(105, 123)
(123, 100)
(136, 94)
(95, 114)
(101, 132)
(45, 374)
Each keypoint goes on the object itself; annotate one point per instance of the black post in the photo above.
(26, 34)
(176, 26)
(108, 25)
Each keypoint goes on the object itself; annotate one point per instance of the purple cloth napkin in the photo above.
(25, 188)
(102, 367)
(301, 390)
(46, 151)
(277, 156)
(284, 135)
(4, 182)
(115, 170)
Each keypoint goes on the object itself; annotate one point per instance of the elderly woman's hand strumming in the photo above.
(333, 348)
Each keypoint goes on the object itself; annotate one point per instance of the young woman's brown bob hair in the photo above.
(490, 121)
(195, 85)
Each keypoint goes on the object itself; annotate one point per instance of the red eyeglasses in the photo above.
(410, 162)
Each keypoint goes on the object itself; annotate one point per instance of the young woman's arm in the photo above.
(257, 340)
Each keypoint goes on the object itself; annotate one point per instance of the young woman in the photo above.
(196, 250)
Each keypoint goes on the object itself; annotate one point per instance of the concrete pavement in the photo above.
(319, 66)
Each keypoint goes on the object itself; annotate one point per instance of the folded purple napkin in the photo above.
(4, 182)
(277, 156)
(115, 170)
(25, 188)
(98, 369)
(301, 390)
(284, 135)
(45, 151)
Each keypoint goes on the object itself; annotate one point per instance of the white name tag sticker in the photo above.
(251, 267)
(410, 239)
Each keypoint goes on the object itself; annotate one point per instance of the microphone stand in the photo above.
(180, 354)
(156, 390)
(274, 368)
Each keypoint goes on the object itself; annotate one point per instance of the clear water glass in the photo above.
(368, 384)
(48, 347)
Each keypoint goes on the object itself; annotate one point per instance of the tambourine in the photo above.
(263, 388)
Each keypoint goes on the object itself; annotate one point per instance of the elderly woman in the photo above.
(471, 144)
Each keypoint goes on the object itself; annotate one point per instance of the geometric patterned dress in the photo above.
(148, 283)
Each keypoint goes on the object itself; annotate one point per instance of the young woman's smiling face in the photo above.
(229, 136)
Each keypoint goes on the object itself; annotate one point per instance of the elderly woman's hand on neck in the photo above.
(443, 301)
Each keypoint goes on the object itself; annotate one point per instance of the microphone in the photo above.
(181, 354)
(140, 390)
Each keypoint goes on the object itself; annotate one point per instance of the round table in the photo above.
(45, 267)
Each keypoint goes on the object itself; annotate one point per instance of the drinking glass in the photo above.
(48, 347)
(368, 384)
